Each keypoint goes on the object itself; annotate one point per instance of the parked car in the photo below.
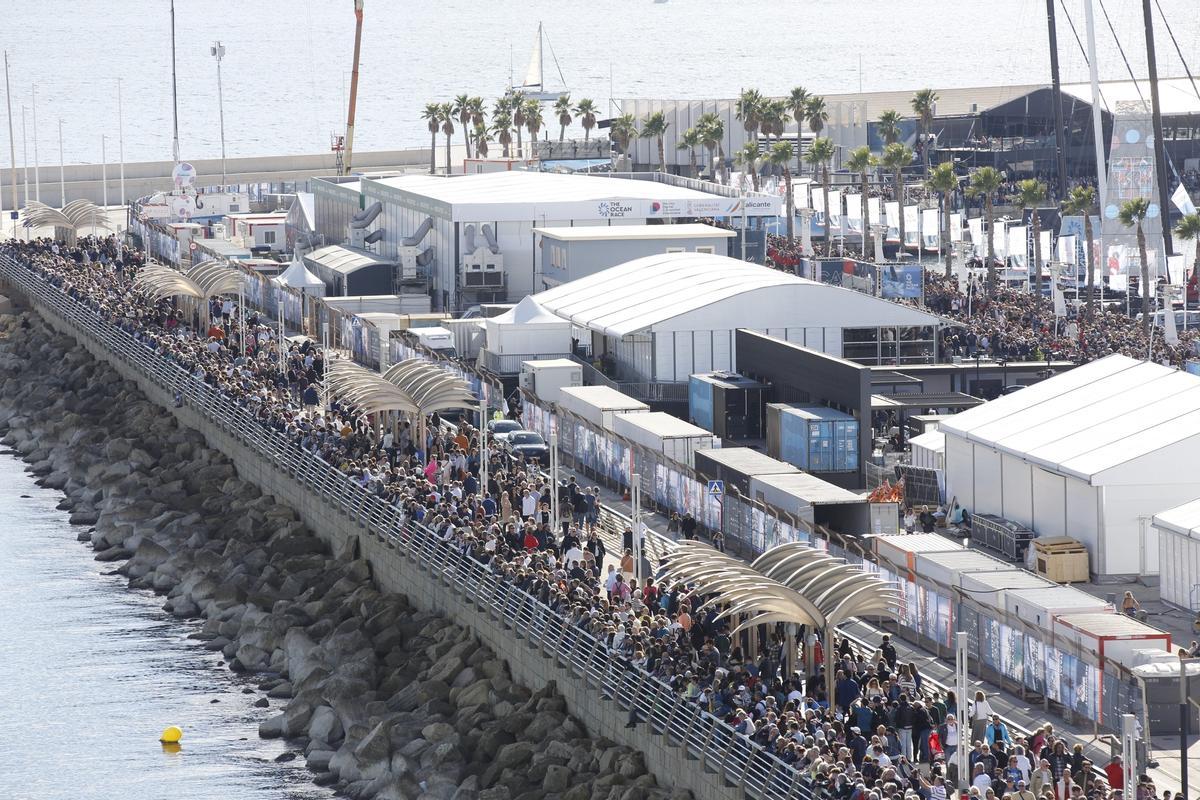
(526, 446)
(499, 429)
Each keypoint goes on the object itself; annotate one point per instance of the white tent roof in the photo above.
(527, 312)
(640, 294)
(1184, 519)
(297, 276)
(930, 440)
(1091, 420)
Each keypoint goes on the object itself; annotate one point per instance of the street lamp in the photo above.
(217, 51)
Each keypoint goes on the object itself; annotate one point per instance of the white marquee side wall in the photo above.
(1179, 559)
(679, 353)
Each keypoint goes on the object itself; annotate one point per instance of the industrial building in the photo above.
(1093, 453)
(472, 236)
(562, 255)
(662, 318)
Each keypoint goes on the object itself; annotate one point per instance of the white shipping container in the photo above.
(546, 378)
(414, 303)
(1040, 606)
(898, 552)
(469, 335)
(659, 431)
(946, 568)
(1111, 636)
(989, 588)
(598, 404)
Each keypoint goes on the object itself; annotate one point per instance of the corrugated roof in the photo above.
(639, 294)
(1088, 420)
(809, 488)
(344, 259)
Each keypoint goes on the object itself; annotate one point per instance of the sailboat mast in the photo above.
(174, 89)
(1097, 136)
(541, 61)
(1060, 146)
(1160, 150)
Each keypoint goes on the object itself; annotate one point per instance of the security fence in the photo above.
(705, 738)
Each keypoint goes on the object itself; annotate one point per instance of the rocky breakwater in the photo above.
(382, 700)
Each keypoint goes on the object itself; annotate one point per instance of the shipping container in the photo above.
(728, 404)
(899, 552)
(547, 377)
(410, 305)
(736, 466)
(1114, 637)
(1040, 606)
(814, 438)
(469, 336)
(990, 588)
(946, 568)
(663, 433)
(1161, 684)
(598, 404)
(797, 493)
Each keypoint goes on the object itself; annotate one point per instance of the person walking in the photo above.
(980, 714)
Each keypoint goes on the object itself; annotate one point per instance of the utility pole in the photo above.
(37, 172)
(1060, 146)
(1160, 152)
(1097, 139)
(12, 146)
(120, 142)
(174, 91)
(25, 152)
(218, 52)
(358, 22)
(104, 170)
(62, 171)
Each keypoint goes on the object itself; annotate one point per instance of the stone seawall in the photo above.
(350, 633)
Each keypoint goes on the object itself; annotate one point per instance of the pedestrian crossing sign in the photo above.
(716, 489)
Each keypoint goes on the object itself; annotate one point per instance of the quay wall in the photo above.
(684, 748)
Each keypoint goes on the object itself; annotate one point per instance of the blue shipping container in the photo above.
(700, 402)
(819, 439)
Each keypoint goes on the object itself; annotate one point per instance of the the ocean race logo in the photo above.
(609, 209)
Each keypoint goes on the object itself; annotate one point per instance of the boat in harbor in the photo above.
(534, 85)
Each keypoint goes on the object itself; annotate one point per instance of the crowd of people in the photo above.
(886, 733)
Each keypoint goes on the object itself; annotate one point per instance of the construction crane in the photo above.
(349, 144)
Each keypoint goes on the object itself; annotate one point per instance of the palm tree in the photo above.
(1031, 194)
(1132, 214)
(655, 127)
(1188, 229)
(502, 125)
(889, 127)
(819, 154)
(517, 104)
(781, 156)
(748, 109)
(712, 134)
(944, 181)
(922, 103)
(433, 117)
(689, 141)
(480, 136)
(861, 161)
(462, 109)
(774, 119)
(533, 119)
(562, 108)
(447, 114)
(797, 102)
(747, 158)
(1081, 201)
(477, 117)
(585, 111)
(984, 183)
(623, 131)
(896, 157)
(818, 115)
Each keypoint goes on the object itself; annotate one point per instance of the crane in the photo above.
(349, 145)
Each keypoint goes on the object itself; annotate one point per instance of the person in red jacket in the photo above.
(1115, 772)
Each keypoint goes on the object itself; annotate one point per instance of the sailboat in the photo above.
(535, 86)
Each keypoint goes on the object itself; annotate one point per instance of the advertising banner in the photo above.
(901, 281)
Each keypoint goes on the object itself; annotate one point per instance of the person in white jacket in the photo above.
(980, 713)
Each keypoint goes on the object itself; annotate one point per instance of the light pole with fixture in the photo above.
(217, 51)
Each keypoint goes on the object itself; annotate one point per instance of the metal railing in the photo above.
(720, 750)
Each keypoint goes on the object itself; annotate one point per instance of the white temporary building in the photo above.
(297, 276)
(528, 329)
(1179, 554)
(459, 215)
(929, 450)
(665, 317)
(1092, 453)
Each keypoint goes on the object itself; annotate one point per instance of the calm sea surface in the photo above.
(91, 672)
(286, 70)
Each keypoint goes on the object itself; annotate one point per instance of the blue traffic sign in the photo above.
(716, 488)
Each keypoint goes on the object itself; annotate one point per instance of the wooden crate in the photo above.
(1061, 559)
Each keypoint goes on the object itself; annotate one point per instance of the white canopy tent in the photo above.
(528, 329)
(1179, 553)
(667, 316)
(297, 276)
(1091, 453)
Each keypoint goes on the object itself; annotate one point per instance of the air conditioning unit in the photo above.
(529, 381)
(483, 276)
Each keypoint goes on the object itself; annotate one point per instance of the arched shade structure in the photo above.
(66, 220)
(367, 389)
(204, 280)
(431, 387)
(792, 583)
(214, 278)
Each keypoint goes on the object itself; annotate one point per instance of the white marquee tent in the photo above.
(1179, 553)
(1092, 453)
(528, 329)
(297, 276)
(664, 317)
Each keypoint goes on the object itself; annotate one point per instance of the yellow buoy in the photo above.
(172, 735)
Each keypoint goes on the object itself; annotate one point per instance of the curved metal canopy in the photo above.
(412, 386)
(206, 279)
(73, 216)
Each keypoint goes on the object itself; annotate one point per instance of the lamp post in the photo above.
(62, 173)
(635, 498)
(217, 51)
(104, 170)
(120, 143)
(554, 482)
(960, 693)
(37, 173)
(483, 447)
